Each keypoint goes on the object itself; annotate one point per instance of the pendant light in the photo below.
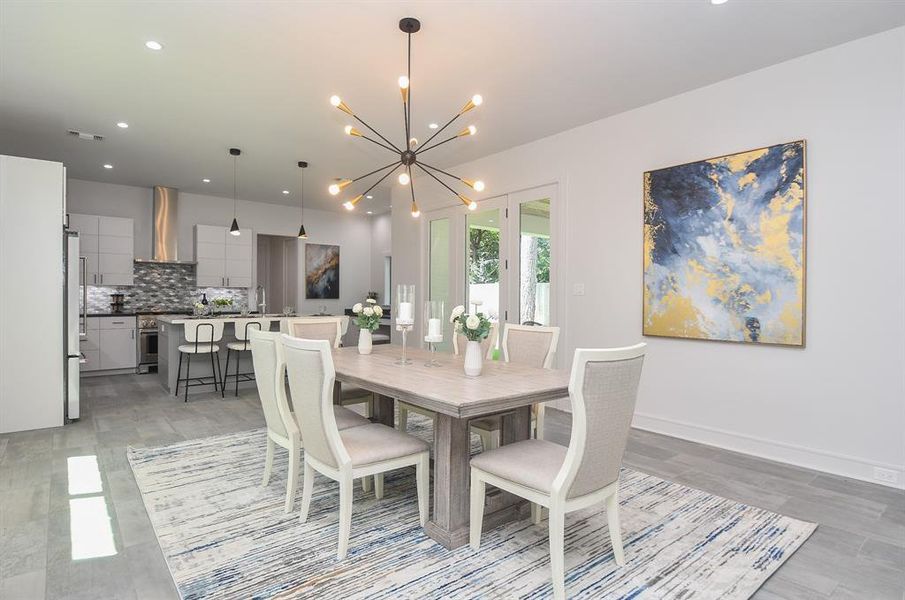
(234, 228)
(303, 235)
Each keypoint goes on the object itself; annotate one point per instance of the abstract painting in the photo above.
(724, 248)
(321, 271)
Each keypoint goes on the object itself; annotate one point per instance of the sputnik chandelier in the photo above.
(411, 155)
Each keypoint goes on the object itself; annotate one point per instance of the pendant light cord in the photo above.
(235, 195)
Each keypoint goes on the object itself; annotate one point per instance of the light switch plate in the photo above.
(578, 289)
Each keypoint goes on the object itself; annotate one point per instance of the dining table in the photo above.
(503, 390)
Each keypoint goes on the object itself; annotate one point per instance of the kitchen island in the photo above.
(171, 334)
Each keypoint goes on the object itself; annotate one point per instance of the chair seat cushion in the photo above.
(531, 463)
(377, 443)
(346, 419)
(240, 346)
(202, 348)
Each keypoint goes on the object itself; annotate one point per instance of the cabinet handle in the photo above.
(227, 282)
(133, 334)
(117, 322)
(102, 278)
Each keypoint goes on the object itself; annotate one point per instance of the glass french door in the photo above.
(531, 248)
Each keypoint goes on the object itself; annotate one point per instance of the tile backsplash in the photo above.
(161, 287)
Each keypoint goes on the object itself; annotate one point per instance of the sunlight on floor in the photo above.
(91, 531)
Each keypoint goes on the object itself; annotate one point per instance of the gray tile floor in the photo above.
(857, 552)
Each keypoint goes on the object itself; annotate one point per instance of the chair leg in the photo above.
(307, 488)
(292, 482)
(378, 486)
(537, 513)
(612, 517)
(219, 372)
(238, 358)
(214, 372)
(403, 420)
(268, 462)
(366, 484)
(476, 515)
(557, 551)
(188, 370)
(223, 385)
(422, 475)
(178, 375)
(345, 516)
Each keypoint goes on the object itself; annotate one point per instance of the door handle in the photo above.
(227, 282)
(102, 278)
(84, 263)
(133, 334)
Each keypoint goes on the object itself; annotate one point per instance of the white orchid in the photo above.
(472, 322)
(378, 311)
(357, 308)
(368, 311)
(371, 301)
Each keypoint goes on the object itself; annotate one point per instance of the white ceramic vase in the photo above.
(364, 341)
(474, 360)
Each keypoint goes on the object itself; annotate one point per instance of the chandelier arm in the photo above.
(438, 144)
(378, 182)
(424, 164)
(436, 133)
(454, 192)
(381, 144)
(377, 133)
(411, 183)
(405, 122)
(393, 164)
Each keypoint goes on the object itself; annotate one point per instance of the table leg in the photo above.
(384, 410)
(449, 525)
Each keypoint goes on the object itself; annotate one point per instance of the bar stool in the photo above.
(242, 344)
(200, 335)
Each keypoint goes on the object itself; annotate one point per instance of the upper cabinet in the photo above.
(108, 245)
(224, 260)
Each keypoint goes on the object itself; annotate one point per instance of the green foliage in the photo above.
(543, 260)
(484, 255)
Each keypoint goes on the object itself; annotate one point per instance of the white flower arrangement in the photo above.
(475, 327)
(367, 314)
(456, 313)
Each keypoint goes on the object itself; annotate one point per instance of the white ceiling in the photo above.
(258, 75)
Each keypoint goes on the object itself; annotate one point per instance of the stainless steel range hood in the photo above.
(165, 235)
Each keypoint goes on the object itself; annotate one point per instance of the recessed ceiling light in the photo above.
(370, 212)
(432, 126)
(285, 191)
(122, 125)
(205, 180)
(108, 166)
(152, 45)
(369, 197)
(715, 2)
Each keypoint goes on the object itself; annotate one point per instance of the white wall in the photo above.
(837, 405)
(351, 232)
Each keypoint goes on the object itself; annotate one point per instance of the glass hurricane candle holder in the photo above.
(433, 319)
(404, 314)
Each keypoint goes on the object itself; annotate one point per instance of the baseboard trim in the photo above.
(809, 458)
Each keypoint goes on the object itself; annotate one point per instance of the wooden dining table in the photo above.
(503, 389)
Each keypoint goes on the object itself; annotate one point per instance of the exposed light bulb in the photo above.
(403, 82)
(404, 179)
(333, 189)
(472, 205)
(348, 205)
(413, 142)
(478, 100)
(337, 187)
(472, 130)
(335, 100)
(415, 212)
(478, 186)
(348, 129)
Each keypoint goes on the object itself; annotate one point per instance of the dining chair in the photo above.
(603, 388)
(349, 454)
(282, 425)
(331, 329)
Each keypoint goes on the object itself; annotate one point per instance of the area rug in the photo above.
(225, 536)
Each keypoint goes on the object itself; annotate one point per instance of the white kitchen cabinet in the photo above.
(110, 344)
(223, 260)
(108, 245)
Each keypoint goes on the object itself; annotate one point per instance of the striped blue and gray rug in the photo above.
(224, 536)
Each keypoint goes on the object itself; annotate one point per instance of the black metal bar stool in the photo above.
(242, 327)
(200, 335)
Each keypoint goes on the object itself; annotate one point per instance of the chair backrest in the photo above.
(530, 345)
(603, 389)
(311, 377)
(488, 344)
(203, 331)
(317, 328)
(242, 327)
(270, 368)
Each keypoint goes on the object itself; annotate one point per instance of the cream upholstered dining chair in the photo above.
(603, 388)
(282, 427)
(348, 454)
(489, 438)
(330, 329)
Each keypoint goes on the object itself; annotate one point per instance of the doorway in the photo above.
(278, 268)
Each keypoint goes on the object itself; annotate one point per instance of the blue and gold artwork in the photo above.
(724, 248)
